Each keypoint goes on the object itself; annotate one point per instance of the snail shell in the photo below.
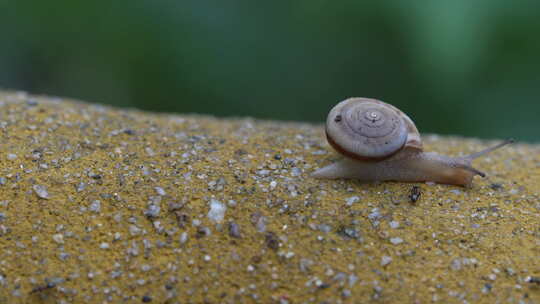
(369, 129)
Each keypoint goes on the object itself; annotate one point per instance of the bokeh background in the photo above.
(460, 67)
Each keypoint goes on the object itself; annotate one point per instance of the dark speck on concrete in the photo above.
(271, 240)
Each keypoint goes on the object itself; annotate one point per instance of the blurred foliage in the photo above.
(457, 67)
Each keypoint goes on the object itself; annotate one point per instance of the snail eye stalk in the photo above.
(490, 149)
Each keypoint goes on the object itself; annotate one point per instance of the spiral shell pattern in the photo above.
(369, 129)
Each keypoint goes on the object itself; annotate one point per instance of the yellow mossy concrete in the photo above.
(105, 205)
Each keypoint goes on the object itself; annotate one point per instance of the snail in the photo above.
(381, 143)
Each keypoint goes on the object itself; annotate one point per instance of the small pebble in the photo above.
(59, 238)
(217, 211)
(396, 240)
(160, 191)
(95, 206)
(41, 191)
(152, 210)
(183, 237)
(496, 186)
(353, 199)
(146, 267)
(394, 224)
(134, 230)
(386, 260)
(324, 228)
(296, 172)
(375, 214)
(234, 230)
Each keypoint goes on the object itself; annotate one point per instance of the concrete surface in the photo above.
(103, 205)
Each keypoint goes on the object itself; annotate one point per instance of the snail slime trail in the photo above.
(381, 143)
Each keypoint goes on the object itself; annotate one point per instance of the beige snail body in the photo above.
(381, 143)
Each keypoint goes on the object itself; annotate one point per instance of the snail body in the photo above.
(381, 143)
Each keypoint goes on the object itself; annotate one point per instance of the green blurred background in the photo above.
(457, 67)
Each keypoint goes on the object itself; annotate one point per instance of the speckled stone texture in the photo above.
(101, 205)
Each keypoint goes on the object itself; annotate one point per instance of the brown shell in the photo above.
(369, 129)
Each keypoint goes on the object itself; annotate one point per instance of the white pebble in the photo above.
(296, 172)
(95, 206)
(353, 199)
(134, 230)
(59, 238)
(394, 224)
(385, 260)
(183, 237)
(396, 240)
(217, 211)
(41, 191)
(160, 191)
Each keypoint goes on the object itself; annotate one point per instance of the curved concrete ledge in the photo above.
(105, 205)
